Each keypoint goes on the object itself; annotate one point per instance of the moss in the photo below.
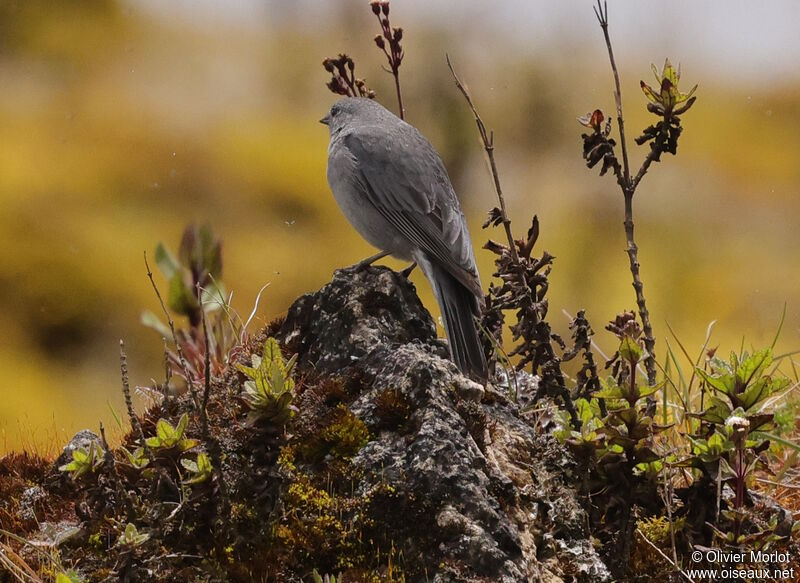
(346, 434)
(341, 437)
(312, 527)
(392, 408)
(644, 559)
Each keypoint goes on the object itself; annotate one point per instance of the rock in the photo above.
(82, 439)
(479, 495)
(55, 534)
(28, 502)
(359, 310)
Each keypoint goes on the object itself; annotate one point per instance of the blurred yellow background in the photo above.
(121, 121)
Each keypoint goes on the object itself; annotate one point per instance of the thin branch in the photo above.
(488, 145)
(167, 373)
(601, 11)
(633, 256)
(181, 358)
(396, 75)
(126, 391)
(628, 187)
(651, 157)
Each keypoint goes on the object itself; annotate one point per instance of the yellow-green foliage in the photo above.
(200, 471)
(342, 437)
(169, 438)
(312, 527)
(346, 434)
(270, 390)
(656, 529)
(84, 461)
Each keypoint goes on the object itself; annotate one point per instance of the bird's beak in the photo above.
(326, 120)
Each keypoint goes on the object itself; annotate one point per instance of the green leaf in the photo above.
(183, 422)
(137, 459)
(583, 410)
(630, 350)
(181, 297)
(189, 465)
(670, 73)
(649, 92)
(752, 367)
(164, 431)
(213, 294)
(166, 262)
(723, 384)
(153, 322)
(131, 536)
(609, 393)
(187, 444)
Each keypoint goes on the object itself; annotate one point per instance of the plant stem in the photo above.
(602, 16)
(396, 74)
(628, 187)
(178, 348)
(488, 145)
(126, 391)
(638, 286)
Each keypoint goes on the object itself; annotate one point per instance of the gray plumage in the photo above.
(393, 188)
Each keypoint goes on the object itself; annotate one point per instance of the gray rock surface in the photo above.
(480, 495)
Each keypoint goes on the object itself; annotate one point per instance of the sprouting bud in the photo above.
(328, 64)
(665, 96)
(350, 64)
(398, 34)
(385, 23)
(592, 120)
(376, 7)
(379, 41)
(385, 7)
(371, 94)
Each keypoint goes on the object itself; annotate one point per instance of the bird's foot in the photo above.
(407, 271)
(370, 260)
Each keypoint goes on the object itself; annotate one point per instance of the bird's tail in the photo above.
(459, 306)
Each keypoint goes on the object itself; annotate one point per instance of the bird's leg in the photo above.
(407, 271)
(370, 260)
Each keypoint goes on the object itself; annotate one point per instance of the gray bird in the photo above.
(393, 188)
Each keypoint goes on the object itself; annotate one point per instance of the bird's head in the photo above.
(353, 110)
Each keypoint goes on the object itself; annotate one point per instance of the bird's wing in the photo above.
(404, 178)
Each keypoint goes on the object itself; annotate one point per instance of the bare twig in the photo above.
(601, 11)
(126, 391)
(488, 145)
(167, 373)
(628, 187)
(181, 358)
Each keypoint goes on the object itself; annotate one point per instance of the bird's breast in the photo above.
(358, 209)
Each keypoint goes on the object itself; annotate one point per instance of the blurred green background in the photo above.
(121, 121)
